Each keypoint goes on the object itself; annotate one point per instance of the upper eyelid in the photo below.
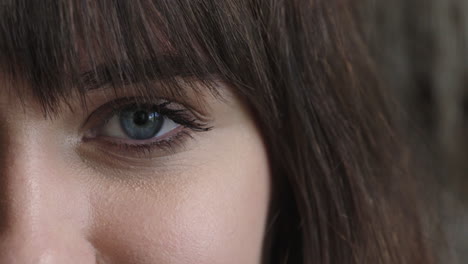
(111, 108)
(105, 112)
(192, 99)
(189, 94)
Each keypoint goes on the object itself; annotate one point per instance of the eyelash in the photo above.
(168, 145)
(187, 119)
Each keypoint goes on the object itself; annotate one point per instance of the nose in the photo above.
(43, 213)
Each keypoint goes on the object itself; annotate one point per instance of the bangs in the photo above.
(61, 48)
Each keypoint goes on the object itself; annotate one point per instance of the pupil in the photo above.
(140, 123)
(140, 118)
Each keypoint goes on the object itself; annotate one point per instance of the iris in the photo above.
(140, 124)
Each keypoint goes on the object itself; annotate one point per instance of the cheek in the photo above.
(213, 211)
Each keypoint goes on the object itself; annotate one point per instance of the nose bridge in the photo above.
(28, 180)
(41, 214)
(28, 196)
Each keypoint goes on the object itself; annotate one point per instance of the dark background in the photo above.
(421, 51)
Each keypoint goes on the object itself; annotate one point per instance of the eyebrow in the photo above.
(153, 69)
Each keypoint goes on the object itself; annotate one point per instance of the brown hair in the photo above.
(340, 194)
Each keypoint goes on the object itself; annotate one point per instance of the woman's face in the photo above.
(123, 182)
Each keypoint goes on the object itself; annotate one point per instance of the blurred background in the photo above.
(421, 51)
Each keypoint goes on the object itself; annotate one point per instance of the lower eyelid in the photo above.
(121, 152)
(165, 136)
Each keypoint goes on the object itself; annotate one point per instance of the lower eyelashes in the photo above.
(143, 149)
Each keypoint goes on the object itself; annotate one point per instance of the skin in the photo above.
(64, 200)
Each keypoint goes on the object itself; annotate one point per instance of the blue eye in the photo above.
(140, 124)
(137, 123)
